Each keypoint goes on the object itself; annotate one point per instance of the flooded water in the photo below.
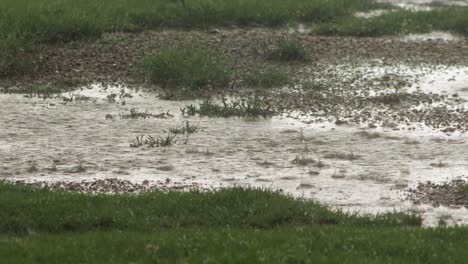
(351, 167)
(403, 3)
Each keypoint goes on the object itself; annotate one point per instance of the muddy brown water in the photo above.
(82, 144)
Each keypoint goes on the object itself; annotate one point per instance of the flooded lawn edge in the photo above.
(118, 57)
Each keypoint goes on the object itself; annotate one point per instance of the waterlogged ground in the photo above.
(365, 166)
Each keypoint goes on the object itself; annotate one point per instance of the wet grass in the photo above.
(25, 24)
(282, 49)
(369, 135)
(42, 91)
(439, 164)
(462, 188)
(231, 225)
(399, 22)
(266, 77)
(185, 129)
(305, 160)
(155, 142)
(342, 156)
(325, 244)
(190, 65)
(245, 107)
(25, 210)
(134, 113)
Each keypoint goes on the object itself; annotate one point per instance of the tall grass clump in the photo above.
(189, 65)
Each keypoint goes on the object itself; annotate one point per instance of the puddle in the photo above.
(403, 3)
(412, 5)
(347, 166)
(435, 35)
(301, 29)
(372, 13)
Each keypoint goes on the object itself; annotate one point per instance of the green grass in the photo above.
(462, 189)
(246, 107)
(228, 226)
(399, 23)
(266, 77)
(24, 210)
(44, 91)
(25, 24)
(190, 65)
(318, 244)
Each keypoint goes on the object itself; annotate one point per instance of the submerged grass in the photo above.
(245, 107)
(43, 91)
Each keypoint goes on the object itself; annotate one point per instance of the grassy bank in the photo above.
(24, 23)
(24, 210)
(232, 225)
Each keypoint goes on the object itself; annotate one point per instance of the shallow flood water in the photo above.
(360, 168)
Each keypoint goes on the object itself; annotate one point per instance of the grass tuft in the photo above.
(266, 77)
(190, 65)
(245, 107)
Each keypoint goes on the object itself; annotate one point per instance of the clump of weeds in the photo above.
(41, 91)
(139, 142)
(368, 135)
(111, 98)
(374, 177)
(462, 188)
(266, 77)
(185, 129)
(245, 107)
(439, 164)
(304, 160)
(136, 114)
(282, 49)
(123, 94)
(32, 166)
(150, 141)
(162, 142)
(188, 65)
(342, 156)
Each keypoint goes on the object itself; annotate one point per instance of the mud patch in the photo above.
(110, 186)
(452, 194)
